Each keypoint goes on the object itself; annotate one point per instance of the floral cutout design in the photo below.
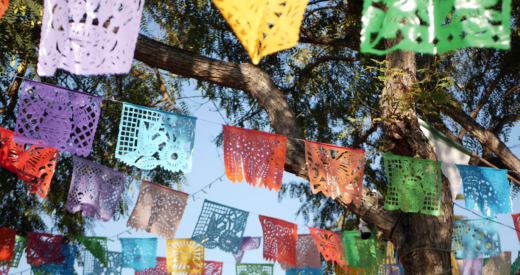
(220, 226)
(473, 266)
(414, 185)
(4, 5)
(331, 246)
(422, 25)
(34, 165)
(161, 268)
(52, 116)
(92, 266)
(185, 256)
(516, 222)
(44, 249)
(158, 210)
(335, 171)
(264, 27)
(149, 138)
(97, 246)
(254, 269)
(95, 189)
(258, 157)
(67, 268)
(307, 254)
(90, 37)
(212, 268)
(486, 189)
(248, 243)
(474, 237)
(139, 254)
(304, 271)
(7, 244)
(280, 239)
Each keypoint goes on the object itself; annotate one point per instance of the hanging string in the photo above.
(487, 218)
(207, 186)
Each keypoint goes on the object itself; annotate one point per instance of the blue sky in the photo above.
(208, 165)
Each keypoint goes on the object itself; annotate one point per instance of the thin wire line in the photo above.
(487, 218)
(219, 178)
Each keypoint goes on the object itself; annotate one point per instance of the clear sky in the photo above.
(208, 165)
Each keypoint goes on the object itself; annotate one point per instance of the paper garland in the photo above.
(212, 268)
(516, 222)
(161, 268)
(44, 249)
(474, 237)
(150, 138)
(19, 247)
(515, 266)
(335, 171)
(372, 255)
(279, 240)
(498, 265)
(4, 5)
(139, 253)
(248, 243)
(422, 25)
(351, 252)
(304, 271)
(34, 165)
(52, 116)
(330, 245)
(414, 185)
(473, 266)
(89, 37)
(7, 244)
(92, 266)
(254, 269)
(67, 268)
(97, 246)
(393, 269)
(158, 210)
(4, 269)
(307, 254)
(220, 226)
(184, 256)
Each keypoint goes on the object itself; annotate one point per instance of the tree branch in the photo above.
(351, 39)
(365, 135)
(329, 58)
(12, 91)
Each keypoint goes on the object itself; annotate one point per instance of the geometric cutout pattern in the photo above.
(351, 253)
(150, 138)
(4, 269)
(89, 37)
(257, 156)
(19, 247)
(97, 246)
(304, 271)
(185, 256)
(254, 269)
(52, 116)
(330, 245)
(34, 165)
(44, 249)
(158, 210)
(486, 190)
(280, 239)
(7, 243)
(139, 254)
(473, 266)
(414, 185)
(95, 189)
(67, 268)
(248, 243)
(372, 256)
(220, 226)
(422, 25)
(264, 27)
(213, 268)
(160, 268)
(335, 171)
(474, 237)
(307, 254)
(92, 266)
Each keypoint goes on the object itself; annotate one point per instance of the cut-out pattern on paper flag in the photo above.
(424, 28)
(264, 27)
(498, 265)
(220, 226)
(184, 256)
(372, 256)
(44, 249)
(516, 222)
(97, 246)
(254, 269)
(280, 239)
(516, 265)
(67, 268)
(19, 247)
(349, 243)
(89, 37)
(304, 271)
(4, 5)
(454, 266)
(248, 243)
(486, 189)
(473, 266)
(4, 269)
(212, 268)
(307, 254)
(335, 171)
(414, 185)
(350, 271)
(158, 210)
(161, 268)
(94, 267)
(393, 269)
(150, 138)
(474, 237)
(258, 157)
(7, 244)
(139, 254)
(52, 116)
(330, 245)
(34, 165)
(95, 189)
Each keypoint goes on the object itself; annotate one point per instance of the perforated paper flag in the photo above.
(185, 256)
(516, 265)
(4, 5)
(414, 185)
(248, 243)
(516, 222)
(139, 254)
(454, 266)
(435, 26)
(258, 157)
(254, 269)
(19, 247)
(279, 240)
(335, 171)
(393, 269)
(474, 237)
(7, 244)
(486, 189)
(330, 245)
(304, 271)
(89, 37)
(350, 270)
(307, 254)
(473, 266)
(44, 249)
(498, 265)
(94, 267)
(220, 226)
(95, 189)
(372, 256)
(67, 268)
(97, 246)
(52, 116)
(161, 268)
(351, 252)
(158, 210)
(150, 138)
(212, 268)
(264, 27)
(4, 269)
(34, 165)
